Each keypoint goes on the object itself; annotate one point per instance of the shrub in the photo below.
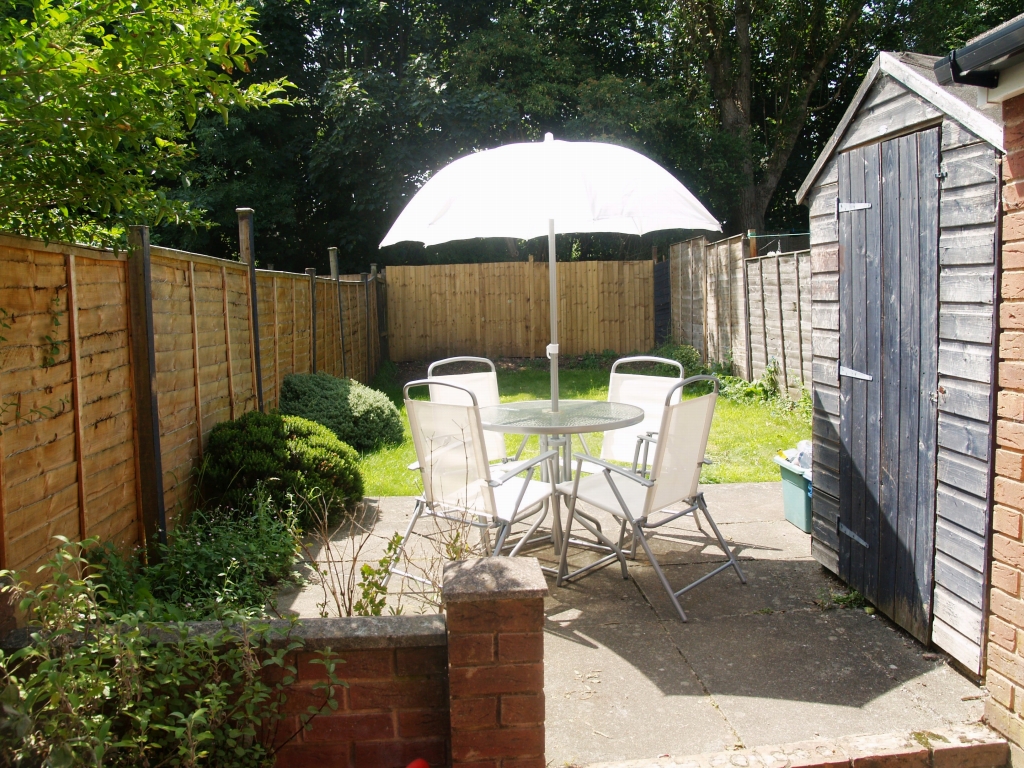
(222, 561)
(292, 456)
(96, 687)
(360, 416)
(688, 356)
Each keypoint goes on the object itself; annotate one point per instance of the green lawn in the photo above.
(744, 435)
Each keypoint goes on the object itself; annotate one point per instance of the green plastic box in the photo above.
(796, 494)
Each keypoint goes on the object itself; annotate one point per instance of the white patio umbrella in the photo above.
(552, 187)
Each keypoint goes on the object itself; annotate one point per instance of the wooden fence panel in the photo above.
(750, 310)
(502, 309)
(68, 452)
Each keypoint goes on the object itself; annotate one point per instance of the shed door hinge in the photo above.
(847, 532)
(850, 373)
(842, 207)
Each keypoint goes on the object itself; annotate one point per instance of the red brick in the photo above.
(1012, 285)
(480, 681)
(357, 665)
(1005, 663)
(1013, 223)
(473, 714)
(1010, 492)
(284, 730)
(1006, 578)
(1011, 314)
(1013, 255)
(301, 697)
(1002, 633)
(351, 727)
(421, 661)
(496, 616)
(505, 743)
(396, 694)
(522, 710)
(423, 723)
(1008, 551)
(1007, 521)
(1010, 405)
(1007, 608)
(1013, 195)
(478, 764)
(470, 650)
(1010, 434)
(997, 717)
(982, 755)
(1000, 688)
(1013, 113)
(276, 673)
(1010, 463)
(313, 756)
(514, 648)
(524, 762)
(1011, 374)
(398, 754)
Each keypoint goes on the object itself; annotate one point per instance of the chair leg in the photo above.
(703, 506)
(416, 512)
(638, 533)
(503, 531)
(543, 513)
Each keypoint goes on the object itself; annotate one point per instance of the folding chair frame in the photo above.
(640, 525)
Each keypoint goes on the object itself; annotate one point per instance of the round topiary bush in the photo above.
(288, 454)
(360, 416)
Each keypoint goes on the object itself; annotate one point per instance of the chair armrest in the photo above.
(511, 470)
(414, 467)
(581, 457)
(650, 437)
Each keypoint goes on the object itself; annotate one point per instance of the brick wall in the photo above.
(495, 615)
(1004, 650)
(395, 708)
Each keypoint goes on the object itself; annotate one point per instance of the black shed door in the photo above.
(888, 357)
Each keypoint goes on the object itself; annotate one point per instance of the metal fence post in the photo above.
(147, 415)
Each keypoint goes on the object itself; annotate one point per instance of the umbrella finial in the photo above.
(549, 137)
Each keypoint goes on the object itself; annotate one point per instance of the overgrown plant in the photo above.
(333, 552)
(97, 687)
(222, 561)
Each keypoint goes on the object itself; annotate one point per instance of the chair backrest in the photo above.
(450, 449)
(483, 385)
(682, 440)
(647, 392)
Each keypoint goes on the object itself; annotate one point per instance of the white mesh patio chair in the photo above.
(459, 484)
(634, 500)
(649, 392)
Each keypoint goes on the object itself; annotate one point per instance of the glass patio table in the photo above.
(574, 417)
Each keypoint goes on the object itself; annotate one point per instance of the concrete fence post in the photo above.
(495, 619)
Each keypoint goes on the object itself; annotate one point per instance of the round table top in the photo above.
(535, 417)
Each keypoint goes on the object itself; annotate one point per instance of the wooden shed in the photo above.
(904, 218)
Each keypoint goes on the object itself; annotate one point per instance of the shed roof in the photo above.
(915, 72)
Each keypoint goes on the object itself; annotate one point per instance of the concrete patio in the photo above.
(769, 662)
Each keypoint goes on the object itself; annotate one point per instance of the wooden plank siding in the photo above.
(501, 309)
(68, 457)
(966, 339)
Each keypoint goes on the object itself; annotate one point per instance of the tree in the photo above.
(96, 101)
(764, 68)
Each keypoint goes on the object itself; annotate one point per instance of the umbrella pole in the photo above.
(553, 285)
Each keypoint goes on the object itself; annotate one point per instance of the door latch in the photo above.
(842, 207)
(852, 374)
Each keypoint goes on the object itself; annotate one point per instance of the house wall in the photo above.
(1005, 653)
(967, 222)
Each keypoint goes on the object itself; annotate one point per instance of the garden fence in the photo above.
(501, 309)
(741, 309)
(113, 371)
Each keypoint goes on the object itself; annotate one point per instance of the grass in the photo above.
(745, 435)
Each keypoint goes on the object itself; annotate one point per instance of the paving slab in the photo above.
(766, 662)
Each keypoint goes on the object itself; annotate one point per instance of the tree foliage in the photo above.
(97, 98)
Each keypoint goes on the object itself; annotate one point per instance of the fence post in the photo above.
(147, 418)
(332, 254)
(782, 324)
(247, 250)
(311, 271)
(799, 318)
(365, 278)
(752, 246)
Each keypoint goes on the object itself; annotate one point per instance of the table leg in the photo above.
(556, 506)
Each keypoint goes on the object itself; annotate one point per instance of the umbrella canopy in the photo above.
(552, 187)
(514, 190)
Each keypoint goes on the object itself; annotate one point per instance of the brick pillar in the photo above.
(1005, 672)
(495, 616)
